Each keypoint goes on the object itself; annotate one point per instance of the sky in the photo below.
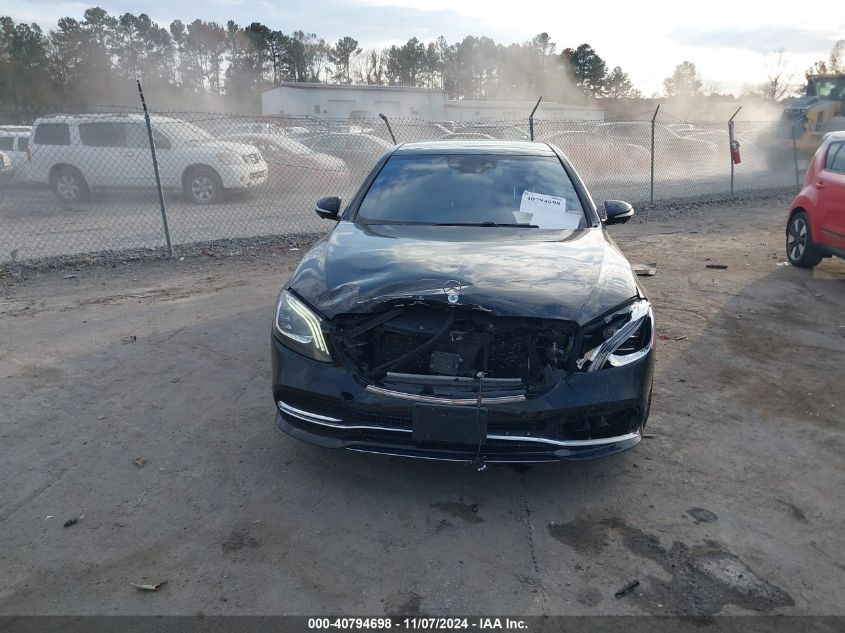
(727, 40)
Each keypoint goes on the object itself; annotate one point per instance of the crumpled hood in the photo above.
(573, 275)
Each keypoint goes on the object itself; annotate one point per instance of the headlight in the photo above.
(622, 337)
(300, 329)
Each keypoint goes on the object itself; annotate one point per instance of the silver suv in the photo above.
(76, 154)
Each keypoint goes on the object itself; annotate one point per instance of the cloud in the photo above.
(758, 39)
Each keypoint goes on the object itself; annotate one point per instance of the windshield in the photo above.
(184, 132)
(833, 87)
(473, 189)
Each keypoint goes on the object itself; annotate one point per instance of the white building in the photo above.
(506, 110)
(340, 101)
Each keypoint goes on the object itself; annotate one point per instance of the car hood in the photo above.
(572, 275)
(324, 161)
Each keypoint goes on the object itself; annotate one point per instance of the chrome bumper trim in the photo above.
(323, 420)
(437, 400)
(571, 443)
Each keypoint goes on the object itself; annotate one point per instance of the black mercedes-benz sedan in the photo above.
(469, 305)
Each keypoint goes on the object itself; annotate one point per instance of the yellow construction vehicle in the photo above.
(821, 109)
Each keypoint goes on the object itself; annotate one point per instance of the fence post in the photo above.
(531, 118)
(653, 119)
(800, 119)
(155, 170)
(731, 145)
(389, 129)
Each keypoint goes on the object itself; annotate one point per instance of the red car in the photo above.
(816, 227)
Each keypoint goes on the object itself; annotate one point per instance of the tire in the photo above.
(800, 249)
(203, 186)
(69, 185)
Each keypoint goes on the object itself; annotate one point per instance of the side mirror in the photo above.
(328, 208)
(618, 211)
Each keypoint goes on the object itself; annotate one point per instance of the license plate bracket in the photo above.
(443, 424)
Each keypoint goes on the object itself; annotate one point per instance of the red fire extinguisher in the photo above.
(735, 157)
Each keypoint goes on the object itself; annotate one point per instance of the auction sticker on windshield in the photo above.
(546, 211)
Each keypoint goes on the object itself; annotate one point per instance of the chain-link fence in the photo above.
(85, 181)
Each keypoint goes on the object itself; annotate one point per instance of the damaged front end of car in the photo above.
(456, 353)
(531, 389)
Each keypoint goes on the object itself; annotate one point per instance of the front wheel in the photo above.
(800, 249)
(203, 186)
(69, 185)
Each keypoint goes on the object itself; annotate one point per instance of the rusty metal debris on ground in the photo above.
(716, 266)
(149, 587)
(627, 589)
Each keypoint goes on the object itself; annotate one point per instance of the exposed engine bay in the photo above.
(423, 339)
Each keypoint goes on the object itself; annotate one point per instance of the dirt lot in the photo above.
(732, 504)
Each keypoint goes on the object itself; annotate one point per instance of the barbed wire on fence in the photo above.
(82, 179)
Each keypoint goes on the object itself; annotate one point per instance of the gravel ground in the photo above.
(137, 401)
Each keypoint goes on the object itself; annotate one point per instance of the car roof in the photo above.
(109, 117)
(491, 146)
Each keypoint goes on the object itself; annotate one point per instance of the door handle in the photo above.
(820, 184)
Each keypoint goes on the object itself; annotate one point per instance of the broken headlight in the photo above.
(621, 337)
(300, 329)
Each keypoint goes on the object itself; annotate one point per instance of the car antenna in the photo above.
(387, 123)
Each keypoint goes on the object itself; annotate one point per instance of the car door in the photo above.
(97, 155)
(831, 188)
(106, 161)
(138, 158)
(172, 157)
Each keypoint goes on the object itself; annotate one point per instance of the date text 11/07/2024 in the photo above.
(418, 623)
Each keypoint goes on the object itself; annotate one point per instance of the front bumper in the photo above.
(243, 176)
(324, 405)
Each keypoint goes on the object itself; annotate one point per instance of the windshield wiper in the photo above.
(527, 226)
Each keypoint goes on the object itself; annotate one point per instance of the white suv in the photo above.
(76, 154)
